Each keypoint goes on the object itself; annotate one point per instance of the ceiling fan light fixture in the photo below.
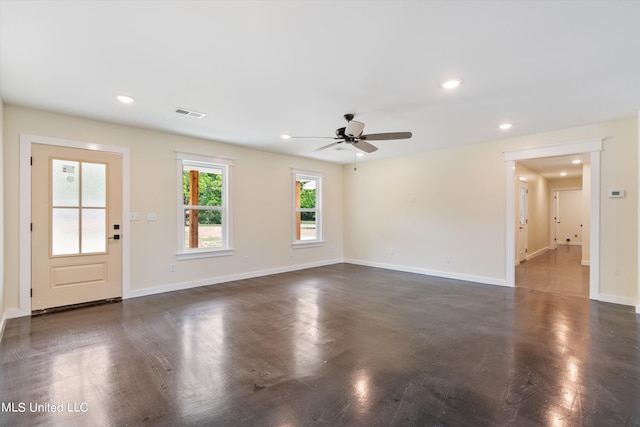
(354, 128)
(451, 83)
(360, 154)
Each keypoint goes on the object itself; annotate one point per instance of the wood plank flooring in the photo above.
(342, 345)
(557, 271)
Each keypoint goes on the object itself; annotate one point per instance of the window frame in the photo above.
(297, 175)
(214, 162)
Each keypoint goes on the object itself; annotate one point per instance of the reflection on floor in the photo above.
(558, 271)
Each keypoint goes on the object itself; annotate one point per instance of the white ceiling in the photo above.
(262, 68)
(552, 167)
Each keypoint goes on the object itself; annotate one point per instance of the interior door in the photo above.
(76, 216)
(523, 220)
(570, 217)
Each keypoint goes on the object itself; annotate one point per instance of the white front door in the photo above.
(523, 220)
(76, 204)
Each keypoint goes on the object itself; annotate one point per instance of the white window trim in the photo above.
(226, 164)
(319, 178)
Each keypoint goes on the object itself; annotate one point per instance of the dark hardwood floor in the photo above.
(341, 345)
(557, 271)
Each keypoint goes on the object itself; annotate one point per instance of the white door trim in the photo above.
(593, 146)
(25, 211)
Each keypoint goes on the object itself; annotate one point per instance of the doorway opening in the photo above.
(550, 250)
(540, 243)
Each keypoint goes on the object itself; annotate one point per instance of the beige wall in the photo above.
(422, 211)
(460, 209)
(262, 208)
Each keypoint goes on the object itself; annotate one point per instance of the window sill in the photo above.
(204, 253)
(309, 244)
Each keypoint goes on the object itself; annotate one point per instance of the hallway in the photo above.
(557, 271)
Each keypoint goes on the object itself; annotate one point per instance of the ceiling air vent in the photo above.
(190, 113)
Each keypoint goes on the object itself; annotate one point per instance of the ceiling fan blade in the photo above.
(313, 137)
(364, 146)
(329, 145)
(385, 136)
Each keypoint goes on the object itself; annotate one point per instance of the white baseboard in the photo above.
(134, 293)
(614, 299)
(436, 273)
(16, 312)
(537, 253)
(638, 308)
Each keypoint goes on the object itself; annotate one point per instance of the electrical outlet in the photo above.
(246, 260)
(447, 259)
(392, 251)
(172, 268)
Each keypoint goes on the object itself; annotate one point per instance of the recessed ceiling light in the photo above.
(450, 84)
(360, 154)
(285, 136)
(563, 174)
(125, 99)
(575, 162)
(505, 126)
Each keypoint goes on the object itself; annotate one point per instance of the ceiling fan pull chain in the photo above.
(355, 159)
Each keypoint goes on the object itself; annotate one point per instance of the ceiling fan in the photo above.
(352, 134)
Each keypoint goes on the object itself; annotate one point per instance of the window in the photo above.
(307, 208)
(203, 217)
(78, 207)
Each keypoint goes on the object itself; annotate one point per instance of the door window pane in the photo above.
(65, 231)
(78, 210)
(65, 183)
(94, 230)
(523, 205)
(94, 185)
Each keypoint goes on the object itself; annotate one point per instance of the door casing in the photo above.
(26, 140)
(593, 147)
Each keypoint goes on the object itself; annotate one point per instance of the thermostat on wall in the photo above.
(616, 193)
